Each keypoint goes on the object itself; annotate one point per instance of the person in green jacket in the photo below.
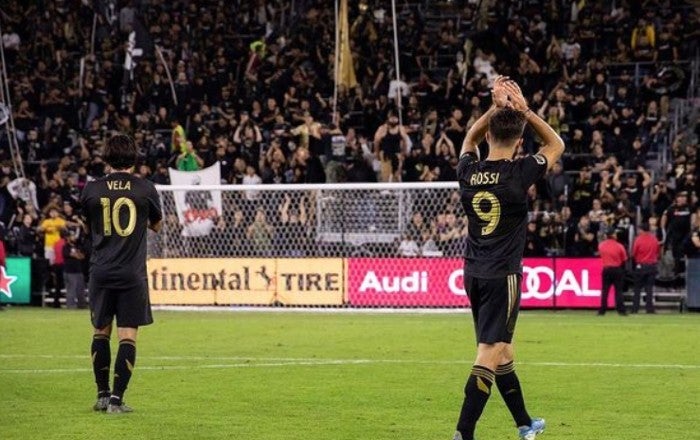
(189, 160)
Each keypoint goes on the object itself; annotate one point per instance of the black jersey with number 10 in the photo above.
(118, 208)
(494, 197)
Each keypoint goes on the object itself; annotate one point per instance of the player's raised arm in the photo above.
(553, 146)
(476, 133)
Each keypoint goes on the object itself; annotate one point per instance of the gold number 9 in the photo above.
(492, 216)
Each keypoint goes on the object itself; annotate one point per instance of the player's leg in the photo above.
(511, 391)
(478, 389)
(101, 360)
(123, 368)
(491, 312)
(509, 387)
(102, 309)
(133, 311)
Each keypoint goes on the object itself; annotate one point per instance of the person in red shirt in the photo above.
(645, 253)
(613, 256)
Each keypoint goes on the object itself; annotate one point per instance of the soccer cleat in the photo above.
(530, 432)
(118, 409)
(101, 404)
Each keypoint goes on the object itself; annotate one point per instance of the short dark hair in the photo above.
(120, 153)
(506, 125)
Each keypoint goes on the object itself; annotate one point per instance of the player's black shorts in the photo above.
(495, 304)
(131, 307)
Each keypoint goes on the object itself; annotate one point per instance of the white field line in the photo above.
(292, 362)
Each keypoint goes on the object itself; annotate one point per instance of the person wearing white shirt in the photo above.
(23, 189)
(251, 178)
(408, 247)
(398, 86)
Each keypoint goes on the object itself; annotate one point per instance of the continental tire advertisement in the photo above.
(247, 281)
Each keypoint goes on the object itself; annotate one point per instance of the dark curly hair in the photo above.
(506, 125)
(120, 153)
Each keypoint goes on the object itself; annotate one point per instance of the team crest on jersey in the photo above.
(541, 160)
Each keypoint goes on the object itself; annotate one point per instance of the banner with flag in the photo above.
(197, 211)
(346, 69)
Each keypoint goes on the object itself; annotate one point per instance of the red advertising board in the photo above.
(438, 282)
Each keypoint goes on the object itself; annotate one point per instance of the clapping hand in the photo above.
(499, 93)
(515, 96)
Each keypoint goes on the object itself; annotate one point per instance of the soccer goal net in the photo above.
(302, 221)
(358, 245)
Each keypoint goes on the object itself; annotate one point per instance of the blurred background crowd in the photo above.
(253, 89)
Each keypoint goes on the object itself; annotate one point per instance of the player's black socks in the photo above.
(476, 394)
(123, 367)
(101, 360)
(509, 386)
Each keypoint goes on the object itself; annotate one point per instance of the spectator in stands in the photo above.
(51, 227)
(583, 192)
(676, 222)
(428, 247)
(559, 184)
(26, 237)
(56, 280)
(293, 222)
(408, 246)
(534, 246)
(584, 238)
(416, 226)
(391, 141)
(693, 245)
(179, 139)
(189, 160)
(260, 234)
(73, 258)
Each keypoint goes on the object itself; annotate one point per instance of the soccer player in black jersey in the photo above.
(118, 209)
(494, 197)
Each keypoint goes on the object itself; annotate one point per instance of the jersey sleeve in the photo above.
(155, 214)
(465, 160)
(531, 169)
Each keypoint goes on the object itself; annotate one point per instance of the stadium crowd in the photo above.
(254, 83)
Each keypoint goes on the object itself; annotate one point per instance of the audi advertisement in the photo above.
(439, 282)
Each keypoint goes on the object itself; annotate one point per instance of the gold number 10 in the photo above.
(111, 216)
(492, 216)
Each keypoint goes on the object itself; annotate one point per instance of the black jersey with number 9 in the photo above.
(118, 209)
(494, 197)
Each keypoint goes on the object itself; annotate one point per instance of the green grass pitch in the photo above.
(313, 376)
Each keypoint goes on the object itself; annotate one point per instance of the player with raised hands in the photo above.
(494, 197)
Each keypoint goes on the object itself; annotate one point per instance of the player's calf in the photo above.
(123, 368)
(101, 359)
